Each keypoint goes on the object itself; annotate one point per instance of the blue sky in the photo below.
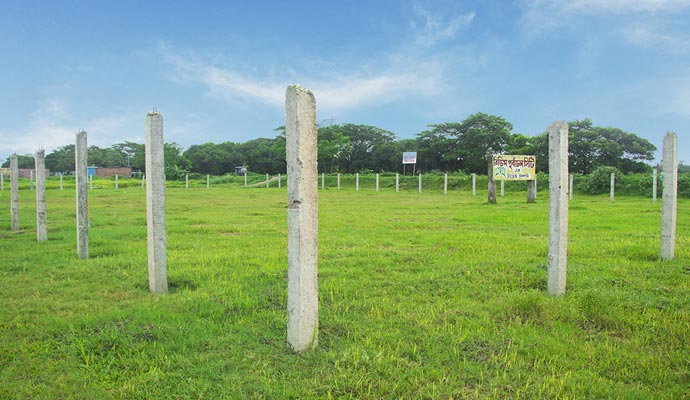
(217, 70)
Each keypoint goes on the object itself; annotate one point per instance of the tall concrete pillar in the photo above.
(558, 208)
(445, 184)
(155, 203)
(669, 196)
(377, 183)
(491, 182)
(117, 183)
(301, 155)
(570, 187)
(613, 185)
(338, 182)
(81, 172)
(14, 188)
(397, 183)
(420, 183)
(655, 184)
(532, 191)
(357, 182)
(503, 188)
(474, 184)
(41, 214)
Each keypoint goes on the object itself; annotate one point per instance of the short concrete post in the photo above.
(31, 180)
(338, 182)
(357, 182)
(90, 182)
(267, 183)
(245, 179)
(474, 184)
(445, 184)
(41, 216)
(14, 188)
(301, 149)
(186, 181)
(420, 183)
(503, 187)
(279, 178)
(143, 181)
(155, 204)
(532, 191)
(117, 183)
(558, 208)
(208, 181)
(397, 183)
(613, 185)
(82, 176)
(655, 184)
(377, 183)
(323, 181)
(570, 187)
(669, 196)
(60, 180)
(491, 198)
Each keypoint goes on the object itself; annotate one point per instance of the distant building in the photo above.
(28, 173)
(107, 172)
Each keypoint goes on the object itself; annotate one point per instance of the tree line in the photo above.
(349, 148)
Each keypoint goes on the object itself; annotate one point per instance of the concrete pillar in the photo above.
(143, 181)
(186, 181)
(60, 180)
(669, 197)
(245, 179)
(155, 204)
(41, 214)
(397, 183)
(491, 198)
(420, 183)
(570, 187)
(267, 185)
(323, 181)
(613, 185)
(532, 190)
(208, 181)
(445, 184)
(655, 184)
(117, 184)
(81, 178)
(31, 180)
(14, 188)
(279, 178)
(503, 188)
(474, 184)
(558, 208)
(377, 183)
(357, 182)
(301, 149)
(338, 181)
(91, 182)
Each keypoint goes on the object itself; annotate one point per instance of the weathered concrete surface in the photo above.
(531, 191)
(420, 183)
(41, 213)
(570, 187)
(117, 182)
(612, 194)
(558, 208)
(357, 182)
(155, 204)
(397, 183)
(491, 198)
(474, 184)
(655, 184)
(445, 184)
(14, 188)
(669, 196)
(301, 156)
(503, 188)
(81, 170)
(377, 183)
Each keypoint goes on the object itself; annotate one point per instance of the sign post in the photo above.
(516, 168)
(410, 157)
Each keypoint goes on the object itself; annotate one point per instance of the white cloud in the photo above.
(436, 28)
(565, 7)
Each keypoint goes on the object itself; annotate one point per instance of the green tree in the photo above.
(24, 161)
(61, 159)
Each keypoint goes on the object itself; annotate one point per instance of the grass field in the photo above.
(421, 296)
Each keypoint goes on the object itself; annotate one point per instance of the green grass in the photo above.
(421, 296)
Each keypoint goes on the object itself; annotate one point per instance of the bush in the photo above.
(599, 181)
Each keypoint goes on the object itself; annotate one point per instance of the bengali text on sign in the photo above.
(514, 168)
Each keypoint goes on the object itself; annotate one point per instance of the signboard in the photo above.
(410, 157)
(514, 168)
